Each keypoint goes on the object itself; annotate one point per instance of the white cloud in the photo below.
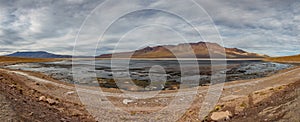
(257, 26)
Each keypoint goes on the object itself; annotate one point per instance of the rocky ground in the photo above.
(20, 102)
(31, 96)
(282, 105)
(245, 100)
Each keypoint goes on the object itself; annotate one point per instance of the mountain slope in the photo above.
(38, 54)
(200, 50)
(288, 59)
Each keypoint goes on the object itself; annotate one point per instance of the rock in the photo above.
(75, 112)
(151, 88)
(70, 93)
(63, 120)
(232, 97)
(131, 88)
(127, 101)
(30, 114)
(12, 86)
(48, 100)
(42, 98)
(51, 101)
(61, 109)
(223, 115)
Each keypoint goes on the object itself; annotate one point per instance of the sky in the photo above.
(269, 27)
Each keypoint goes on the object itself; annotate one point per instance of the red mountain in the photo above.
(200, 50)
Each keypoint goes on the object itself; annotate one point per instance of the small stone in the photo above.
(63, 119)
(223, 115)
(132, 88)
(61, 109)
(70, 93)
(42, 98)
(12, 86)
(30, 114)
(127, 101)
(75, 112)
(51, 101)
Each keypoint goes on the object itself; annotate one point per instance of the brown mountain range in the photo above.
(186, 50)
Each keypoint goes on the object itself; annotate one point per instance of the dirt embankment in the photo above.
(282, 104)
(279, 103)
(23, 103)
(273, 98)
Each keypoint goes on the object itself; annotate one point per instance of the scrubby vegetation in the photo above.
(295, 58)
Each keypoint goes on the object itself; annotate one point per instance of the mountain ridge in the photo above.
(183, 50)
(37, 54)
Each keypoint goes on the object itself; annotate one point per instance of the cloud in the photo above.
(41, 25)
(269, 27)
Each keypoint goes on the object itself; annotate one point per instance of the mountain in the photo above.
(38, 54)
(183, 51)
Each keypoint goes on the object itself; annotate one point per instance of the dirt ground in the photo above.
(282, 105)
(22, 103)
(30, 96)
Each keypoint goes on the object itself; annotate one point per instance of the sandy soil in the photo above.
(295, 59)
(282, 104)
(26, 104)
(30, 96)
(235, 96)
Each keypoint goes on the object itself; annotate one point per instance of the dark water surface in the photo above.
(145, 70)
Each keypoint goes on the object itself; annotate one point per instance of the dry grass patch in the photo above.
(4, 60)
(295, 58)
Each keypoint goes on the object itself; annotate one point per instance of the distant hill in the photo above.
(183, 51)
(288, 59)
(38, 54)
(4, 60)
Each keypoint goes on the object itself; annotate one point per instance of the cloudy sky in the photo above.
(269, 27)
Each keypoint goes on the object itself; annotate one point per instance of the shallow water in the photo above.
(147, 70)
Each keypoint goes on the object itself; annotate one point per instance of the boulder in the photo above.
(222, 115)
(48, 100)
(127, 101)
(42, 98)
(70, 93)
(51, 101)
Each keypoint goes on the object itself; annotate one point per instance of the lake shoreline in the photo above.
(139, 72)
